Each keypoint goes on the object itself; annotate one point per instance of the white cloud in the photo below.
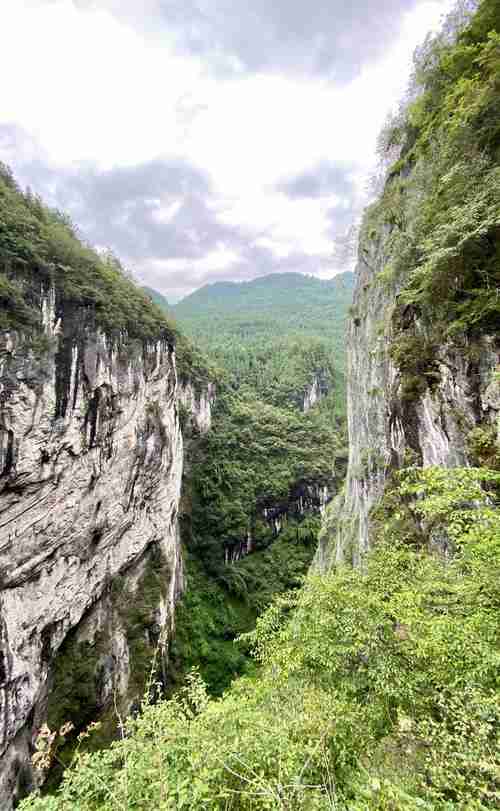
(165, 214)
(90, 88)
(158, 272)
(288, 225)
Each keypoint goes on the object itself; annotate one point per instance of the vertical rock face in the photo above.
(424, 340)
(303, 500)
(198, 404)
(91, 468)
(316, 391)
(390, 425)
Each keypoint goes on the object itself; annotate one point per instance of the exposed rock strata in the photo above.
(304, 499)
(198, 405)
(390, 429)
(91, 458)
(316, 391)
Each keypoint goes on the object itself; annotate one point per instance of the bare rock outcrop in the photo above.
(91, 458)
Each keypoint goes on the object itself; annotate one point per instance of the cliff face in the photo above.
(197, 406)
(303, 500)
(316, 391)
(395, 421)
(424, 340)
(91, 457)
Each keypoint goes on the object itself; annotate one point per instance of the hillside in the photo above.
(226, 317)
(157, 298)
(287, 293)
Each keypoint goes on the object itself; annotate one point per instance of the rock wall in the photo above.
(198, 405)
(304, 499)
(316, 391)
(390, 425)
(91, 459)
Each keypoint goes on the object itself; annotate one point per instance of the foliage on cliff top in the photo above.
(39, 247)
(442, 198)
(378, 689)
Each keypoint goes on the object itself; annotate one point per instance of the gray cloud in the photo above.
(122, 209)
(322, 180)
(331, 38)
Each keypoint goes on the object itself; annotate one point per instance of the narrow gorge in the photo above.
(118, 445)
(250, 541)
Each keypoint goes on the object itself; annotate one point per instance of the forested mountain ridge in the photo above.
(285, 291)
(378, 684)
(248, 327)
(255, 313)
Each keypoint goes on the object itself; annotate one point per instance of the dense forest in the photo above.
(235, 321)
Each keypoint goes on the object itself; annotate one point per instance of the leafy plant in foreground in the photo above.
(377, 689)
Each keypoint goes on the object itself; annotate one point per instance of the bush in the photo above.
(377, 688)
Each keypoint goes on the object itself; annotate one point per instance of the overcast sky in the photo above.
(204, 139)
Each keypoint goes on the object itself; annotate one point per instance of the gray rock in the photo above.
(91, 457)
(385, 429)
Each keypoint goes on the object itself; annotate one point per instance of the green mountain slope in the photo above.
(254, 313)
(276, 291)
(157, 298)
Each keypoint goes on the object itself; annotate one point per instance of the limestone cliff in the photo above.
(391, 427)
(316, 390)
(424, 340)
(197, 405)
(303, 500)
(91, 457)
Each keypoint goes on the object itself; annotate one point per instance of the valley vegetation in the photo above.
(256, 482)
(376, 689)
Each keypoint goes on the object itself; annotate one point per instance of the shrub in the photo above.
(377, 688)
